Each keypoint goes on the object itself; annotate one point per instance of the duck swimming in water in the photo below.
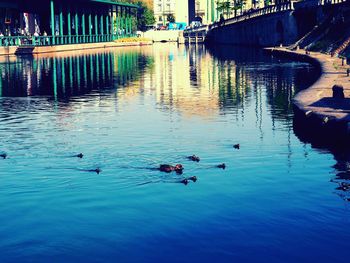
(192, 178)
(194, 158)
(236, 146)
(3, 155)
(222, 166)
(184, 181)
(80, 155)
(178, 168)
(97, 170)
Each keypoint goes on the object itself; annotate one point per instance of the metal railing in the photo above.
(7, 41)
(255, 13)
(287, 6)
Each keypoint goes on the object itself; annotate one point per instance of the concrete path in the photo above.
(317, 99)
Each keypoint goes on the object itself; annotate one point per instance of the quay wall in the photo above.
(316, 111)
(27, 50)
(277, 28)
(268, 30)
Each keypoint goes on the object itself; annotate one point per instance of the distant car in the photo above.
(162, 28)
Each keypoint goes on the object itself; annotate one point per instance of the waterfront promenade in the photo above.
(317, 101)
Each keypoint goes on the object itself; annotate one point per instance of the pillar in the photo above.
(128, 25)
(52, 8)
(90, 26)
(76, 18)
(108, 31)
(113, 21)
(117, 20)
(83, 25)
(122, 26)
(101, 26)
(61, 26)
(96, 28)
(69, 25)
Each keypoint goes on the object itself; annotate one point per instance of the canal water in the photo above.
(129, 110)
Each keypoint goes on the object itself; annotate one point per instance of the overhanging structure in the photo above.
(60, 22)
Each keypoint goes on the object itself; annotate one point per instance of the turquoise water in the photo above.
(129, 110)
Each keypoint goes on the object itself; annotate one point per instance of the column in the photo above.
(61, 26)
(130, 19)
(90, 26)
(52, 21)
(107, 25)
(69, 26)
(76, 18)
(101, 26)
(96, 28)
(127, 26)
(122, 20)
(117, 20)
(83, 25)
(113, 21)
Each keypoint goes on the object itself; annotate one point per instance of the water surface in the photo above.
(129, 110)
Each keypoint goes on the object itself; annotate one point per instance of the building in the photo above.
(207, 10)
(52, 22)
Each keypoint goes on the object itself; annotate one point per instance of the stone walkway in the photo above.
(317, 99)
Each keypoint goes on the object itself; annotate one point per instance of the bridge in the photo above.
(282, 23)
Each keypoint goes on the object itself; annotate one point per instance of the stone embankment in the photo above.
(318, 107)
(62, 48)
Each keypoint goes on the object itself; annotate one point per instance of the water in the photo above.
(131, 109)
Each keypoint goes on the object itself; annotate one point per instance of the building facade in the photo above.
(52, 22)
(207, 10)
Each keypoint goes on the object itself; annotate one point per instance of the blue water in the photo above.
(129, 110)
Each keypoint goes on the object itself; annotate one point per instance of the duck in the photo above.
(184, 181)
(194, 158)
(236, 146)
(178, 168)
(222, 166)
(192, 178)
(80, 155)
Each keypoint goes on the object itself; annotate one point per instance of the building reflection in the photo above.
(68, 74)
(193, 80)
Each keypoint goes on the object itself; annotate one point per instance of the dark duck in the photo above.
(178, 168)
(236, 146)
(194, 158)
(222, 166)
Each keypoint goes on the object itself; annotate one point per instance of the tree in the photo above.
(145, 16)
(224, 7)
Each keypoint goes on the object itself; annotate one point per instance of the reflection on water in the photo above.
(63, 76)
(129, 110)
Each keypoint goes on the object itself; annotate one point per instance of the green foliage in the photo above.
(145, 16)
(224, 7)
